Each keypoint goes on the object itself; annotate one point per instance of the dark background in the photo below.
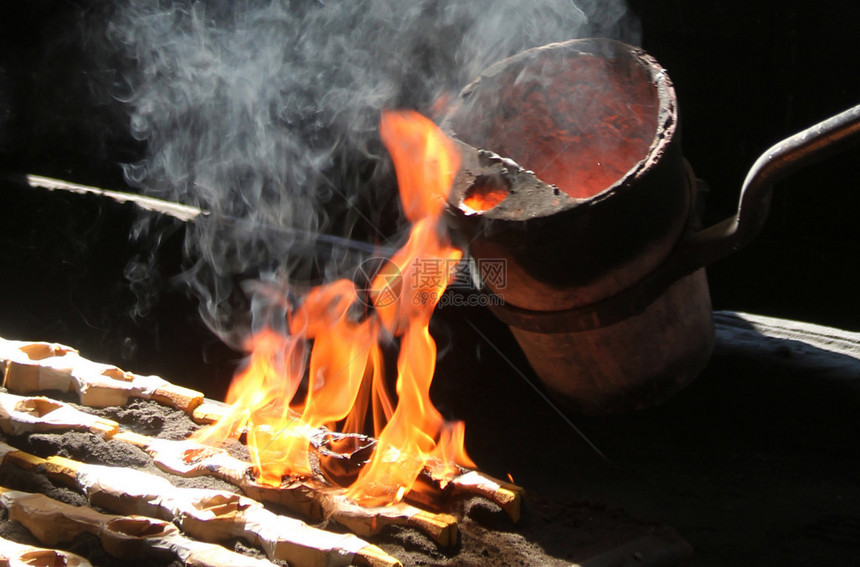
(749, 463)
(747, 75)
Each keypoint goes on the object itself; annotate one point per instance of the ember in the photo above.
(486, 192)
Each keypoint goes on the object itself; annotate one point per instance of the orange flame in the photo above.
(485, 200)
(346, 380)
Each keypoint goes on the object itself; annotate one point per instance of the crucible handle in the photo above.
(816, 142)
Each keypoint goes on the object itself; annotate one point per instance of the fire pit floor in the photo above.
(753, 463)
(551, 532)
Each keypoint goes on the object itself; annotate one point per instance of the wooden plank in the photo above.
(209, 411)
(37, 414)
(213, 515)
(25, 461)
(14, 553)
(132, 537)
(38, 366)
(208, 514)
(506, 495)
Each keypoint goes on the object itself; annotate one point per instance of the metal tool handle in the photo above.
(814, 143)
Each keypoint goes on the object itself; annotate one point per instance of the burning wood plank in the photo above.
(306, 497)
(468, 483)
(13, 553)
(211, 515)
(38, 366)
(341, 468)
(53, 522)
(185, 458)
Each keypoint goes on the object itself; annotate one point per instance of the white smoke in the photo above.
(265, 113)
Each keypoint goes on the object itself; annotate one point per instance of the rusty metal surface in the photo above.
(565, 250)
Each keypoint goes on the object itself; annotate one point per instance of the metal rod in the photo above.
(188, 213)
(816, 142)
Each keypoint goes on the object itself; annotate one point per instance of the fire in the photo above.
(485, 193)
(485, 202)
(341, 355)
